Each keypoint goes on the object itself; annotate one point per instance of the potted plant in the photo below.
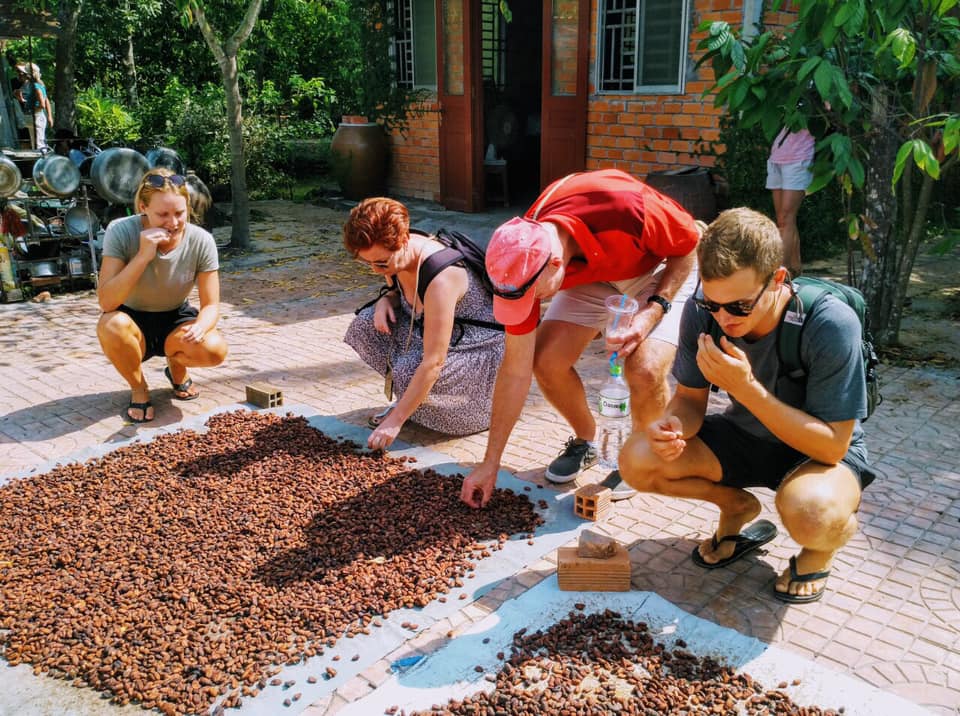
(360, 149)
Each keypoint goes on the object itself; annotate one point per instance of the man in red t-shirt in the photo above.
(588, 236)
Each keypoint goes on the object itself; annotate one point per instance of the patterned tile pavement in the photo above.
(891, 615)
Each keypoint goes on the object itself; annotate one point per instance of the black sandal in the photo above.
(183, 387)
(802, 578)
(754, 536)
(138, 406)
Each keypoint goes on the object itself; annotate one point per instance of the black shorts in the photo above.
(748, 461)
(157, 325)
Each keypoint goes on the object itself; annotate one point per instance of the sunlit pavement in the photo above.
(891, 612)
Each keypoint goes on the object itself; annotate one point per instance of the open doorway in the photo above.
(511, 74)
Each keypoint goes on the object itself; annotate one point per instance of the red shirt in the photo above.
(623, 228)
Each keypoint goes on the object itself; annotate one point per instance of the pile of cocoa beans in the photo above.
(599, 664)
(187, 570)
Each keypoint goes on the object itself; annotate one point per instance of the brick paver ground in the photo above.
(891, 614)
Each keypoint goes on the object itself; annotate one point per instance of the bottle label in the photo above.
(614, 407)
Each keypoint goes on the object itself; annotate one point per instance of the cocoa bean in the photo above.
(206, 561)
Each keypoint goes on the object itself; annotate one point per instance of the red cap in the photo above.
(518, 250)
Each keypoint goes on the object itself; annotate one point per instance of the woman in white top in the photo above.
(151, 262)
(39, 112)
(788, 176)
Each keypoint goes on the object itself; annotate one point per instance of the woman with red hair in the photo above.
(433, 354)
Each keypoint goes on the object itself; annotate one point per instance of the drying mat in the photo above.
(451, 672)
(24, 694)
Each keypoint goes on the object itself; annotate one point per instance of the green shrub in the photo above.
(314, 101)
(159, 113)
(276, 147)
(199, 133)
(308, 158)
(104, 118)
(744, 166)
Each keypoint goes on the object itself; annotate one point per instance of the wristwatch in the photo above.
(662, 302)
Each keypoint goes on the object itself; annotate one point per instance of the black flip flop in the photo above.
(138, 406)
(756, 535)
(183, 387)
(795, 577)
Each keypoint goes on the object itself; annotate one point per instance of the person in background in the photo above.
(37, 106)
(788, 176)
(801, 439)
(151, 262)
(588, 236)
(441, 357)
(16, 91)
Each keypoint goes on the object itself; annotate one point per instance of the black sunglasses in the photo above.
(157, 181)
(518, 292)
(380, 263)
(734, 308)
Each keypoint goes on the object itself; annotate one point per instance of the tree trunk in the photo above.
(130, 72)
(240, 221)
(226, 56)
(65, 95)
(882, 244)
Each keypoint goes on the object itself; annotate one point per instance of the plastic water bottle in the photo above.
(613, 422)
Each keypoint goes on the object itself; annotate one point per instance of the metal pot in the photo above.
(10, 177)
(80, 220)
(166, 158)
(44, 269)
(117, 172)
(85, 166)
(56, 175)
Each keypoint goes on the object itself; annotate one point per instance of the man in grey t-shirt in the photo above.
(802, 440)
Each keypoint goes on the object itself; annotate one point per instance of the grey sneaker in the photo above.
(577, 456)
(619, 489)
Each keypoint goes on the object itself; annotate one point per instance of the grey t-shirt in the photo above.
(167, 280)
(834, 390)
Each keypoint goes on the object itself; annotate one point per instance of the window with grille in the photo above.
(492, 44)
(414, 43)
(643, 45)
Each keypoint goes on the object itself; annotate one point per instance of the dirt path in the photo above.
(930, 329)
(297, 253)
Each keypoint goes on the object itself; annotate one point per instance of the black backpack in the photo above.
(809, 290)
(461, 250)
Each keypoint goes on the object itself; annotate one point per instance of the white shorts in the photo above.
(795, 176)
(584, 305)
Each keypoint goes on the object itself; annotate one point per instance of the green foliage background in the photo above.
(744, 166)
(307, 63)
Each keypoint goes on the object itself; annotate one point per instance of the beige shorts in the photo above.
(584, 305)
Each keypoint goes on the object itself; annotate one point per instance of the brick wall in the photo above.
(640, 133)
(415, 155)
(634, 132)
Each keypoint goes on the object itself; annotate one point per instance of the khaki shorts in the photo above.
(584, 305)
